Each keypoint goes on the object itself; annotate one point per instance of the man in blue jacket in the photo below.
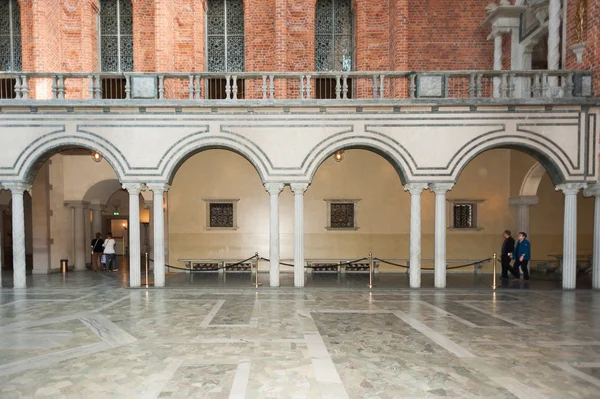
(522, 255)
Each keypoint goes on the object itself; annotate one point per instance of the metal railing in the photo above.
(272, 86)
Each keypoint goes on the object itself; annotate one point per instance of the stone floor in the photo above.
(85, 335)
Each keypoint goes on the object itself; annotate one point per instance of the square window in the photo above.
(463, 216)
(341, 214)
(221, 214)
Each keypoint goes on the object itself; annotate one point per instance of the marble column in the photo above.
(523, 203)
(299, 189)
(134, 189)
(440, 190)
(415, 190)
(554, 20)
(497, 61)
(149, 204)
(570, 233)
(274, 189)
(96, 219)
(87, 226)
(2, 208)
(159, 233)
(79, 245)
(594, 191)
(18, 233)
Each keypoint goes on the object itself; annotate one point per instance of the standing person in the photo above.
(97, 250)
(109, 252)
(522, 256)
(506, 253)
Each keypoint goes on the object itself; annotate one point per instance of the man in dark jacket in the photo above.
(522, 256)
(508, 247)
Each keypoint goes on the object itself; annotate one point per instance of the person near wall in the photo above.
(97, 250)
(109, 253)
(506, 253)
(522, 256)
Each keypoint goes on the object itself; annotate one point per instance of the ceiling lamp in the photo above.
(339, 156)
(96, 156)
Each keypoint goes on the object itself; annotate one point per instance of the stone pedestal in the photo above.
(274, 189)
(570, 233)
(299, 189)
(415, 190)
(440, 190)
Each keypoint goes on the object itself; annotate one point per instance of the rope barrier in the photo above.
(218, 268)
(312, 267)
(431, 268)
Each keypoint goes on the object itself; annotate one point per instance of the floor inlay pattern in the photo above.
(92, 338)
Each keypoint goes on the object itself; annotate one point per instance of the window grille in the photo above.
(464, 216)
(221, 215)
(225, 45)
(342, 215)
(116, 45)
(10, 45)
(333, 44)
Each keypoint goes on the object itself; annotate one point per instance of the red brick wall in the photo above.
(591, 53)
(144, 45)
(446, 35)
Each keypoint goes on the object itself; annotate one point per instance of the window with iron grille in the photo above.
(10, 45)
(221, 214)
(225, 45)
(333, 44)
(341, 214)
(464, 216)
(115, 45)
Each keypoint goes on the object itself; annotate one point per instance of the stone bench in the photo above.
(339, 266)
(218, 265)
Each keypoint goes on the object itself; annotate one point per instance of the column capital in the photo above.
(97, 207)
(570, 188)
(17, 187)
(299, 188)
(593, 190)
(77, 204)
(274, 188)
(440, 188)
(158, 187)
(134, 188)
(528, 200)
(415, 188)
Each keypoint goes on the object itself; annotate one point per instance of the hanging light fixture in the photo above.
(96, 156)
(339, 156)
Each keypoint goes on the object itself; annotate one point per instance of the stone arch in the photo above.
(101, 191)
(388, 151)
(541, 150)
(177, 155)
(41, 149)
(532, 180)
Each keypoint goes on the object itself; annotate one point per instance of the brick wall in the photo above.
(591, 53)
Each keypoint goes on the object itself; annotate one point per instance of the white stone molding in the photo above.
(415, 190)
(299, 189)
(577, 49)
(570, 233)
(593, 190)
(18, 232)
(134, 189)
(532, 180)
(158, 219)
(440, 190)
(274, 189)
(80, 245)
(523, 203)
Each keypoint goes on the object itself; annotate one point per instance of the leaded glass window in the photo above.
(464, 216)
(10, 36)
(221, 215)
(333, 35)
(342, 216)
(225, 36)
(116, 36)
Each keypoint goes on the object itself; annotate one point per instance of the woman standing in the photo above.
(109, 253)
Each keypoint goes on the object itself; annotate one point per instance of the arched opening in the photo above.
(58, 210)
(515, 189)
(217, 210)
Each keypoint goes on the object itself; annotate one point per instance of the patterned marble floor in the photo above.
(87, 336)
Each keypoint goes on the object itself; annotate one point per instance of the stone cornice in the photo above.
(528, 200)
(77, 204)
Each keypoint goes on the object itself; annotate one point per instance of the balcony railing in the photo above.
(273, 87)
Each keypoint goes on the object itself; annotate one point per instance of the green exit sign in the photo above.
(116, 213)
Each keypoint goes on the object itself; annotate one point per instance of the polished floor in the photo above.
(85, 335)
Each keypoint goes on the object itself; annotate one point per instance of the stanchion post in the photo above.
(371, 285)
(147, 267)
(256, 283)
(494, 271)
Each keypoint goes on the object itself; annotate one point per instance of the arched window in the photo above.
(224, 43)
(333, 42)
(115, 44)
(10, 44)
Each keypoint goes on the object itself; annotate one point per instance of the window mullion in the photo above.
(118, 36)
(332, 64)
(225, 35)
